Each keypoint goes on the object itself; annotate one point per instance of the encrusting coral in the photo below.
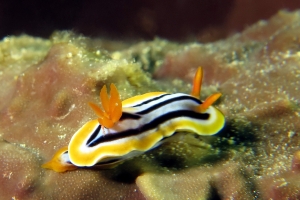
(49, 102)
(256, 156)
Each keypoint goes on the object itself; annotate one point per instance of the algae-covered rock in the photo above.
(46, 85)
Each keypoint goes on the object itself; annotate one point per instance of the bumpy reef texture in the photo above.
(46, 84)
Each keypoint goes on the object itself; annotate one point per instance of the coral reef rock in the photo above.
(46, 84)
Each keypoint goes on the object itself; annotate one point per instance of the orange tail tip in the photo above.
(208, 102)
(197, 83)
(112, 107)
(57, 163)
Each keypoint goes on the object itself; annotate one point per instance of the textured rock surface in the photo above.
(46, 85)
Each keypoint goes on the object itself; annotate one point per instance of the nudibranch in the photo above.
(136, 125)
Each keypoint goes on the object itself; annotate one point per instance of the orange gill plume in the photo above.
(111, 110)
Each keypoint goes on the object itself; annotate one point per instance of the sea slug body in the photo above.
(136, 125)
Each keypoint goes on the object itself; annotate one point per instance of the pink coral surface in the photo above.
(256, 156)
(48, 105)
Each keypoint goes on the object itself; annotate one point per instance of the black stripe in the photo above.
(94, 135)
(148, 101)
(152, 125)
(126, 115)
(171, 100)
(123, 117)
